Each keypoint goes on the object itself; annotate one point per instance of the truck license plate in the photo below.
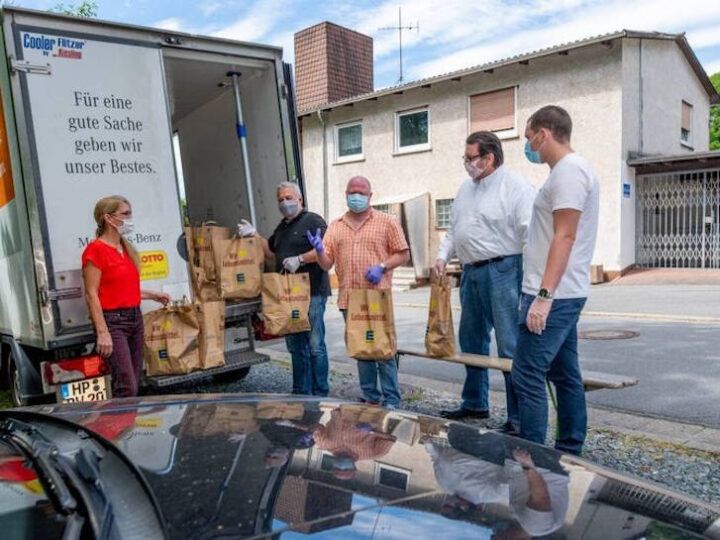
(85, 390)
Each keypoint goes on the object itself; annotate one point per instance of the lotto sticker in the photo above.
(153, 265)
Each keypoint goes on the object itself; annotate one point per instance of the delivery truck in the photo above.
(188, 128)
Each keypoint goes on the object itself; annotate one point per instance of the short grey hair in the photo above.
(289, 185)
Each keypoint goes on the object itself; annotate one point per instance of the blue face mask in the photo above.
(533, 156)
(357, 202)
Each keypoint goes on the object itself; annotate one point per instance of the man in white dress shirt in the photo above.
(490, 218)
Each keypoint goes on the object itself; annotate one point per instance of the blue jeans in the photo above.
(309, 353)
(387, 371)
(552, 355)
(489, 297)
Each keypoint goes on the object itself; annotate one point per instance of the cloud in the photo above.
(590, 20)
(705, 37)
(173, 24)
(208, 8)
(256, 22)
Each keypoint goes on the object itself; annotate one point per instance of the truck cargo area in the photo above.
(203, 115)
(211, 168)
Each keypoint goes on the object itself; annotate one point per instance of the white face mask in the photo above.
(473, 170)
(126, 226)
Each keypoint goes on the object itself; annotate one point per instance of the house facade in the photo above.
(630, 95)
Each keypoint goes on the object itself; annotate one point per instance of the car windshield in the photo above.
(25, 509)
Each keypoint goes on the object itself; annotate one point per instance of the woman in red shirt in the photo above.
(112, 291)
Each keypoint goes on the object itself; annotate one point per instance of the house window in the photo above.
(348, 142)
(686, 124)
(443, 213)
(412, 130)
(494, 111)
(392, 477)
(384, 208)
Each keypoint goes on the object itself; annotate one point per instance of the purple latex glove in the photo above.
(315, 240)
(374, 274)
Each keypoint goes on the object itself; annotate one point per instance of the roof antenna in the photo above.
(400, 29)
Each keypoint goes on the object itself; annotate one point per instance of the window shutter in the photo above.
(686, 114)
(493, 111)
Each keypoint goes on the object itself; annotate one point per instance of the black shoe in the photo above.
(508, 429)
(461, 412)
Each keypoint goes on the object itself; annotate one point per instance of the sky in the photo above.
(452, 34)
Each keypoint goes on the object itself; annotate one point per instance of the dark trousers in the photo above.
(551, 355)
(126, 361)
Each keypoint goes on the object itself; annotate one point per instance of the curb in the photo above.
(690, 319)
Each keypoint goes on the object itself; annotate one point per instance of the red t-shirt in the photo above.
(120, 279)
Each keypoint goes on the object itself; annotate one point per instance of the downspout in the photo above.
(641, 141)
(326, 197)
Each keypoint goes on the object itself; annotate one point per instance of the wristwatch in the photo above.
(301, 259)
(545, 294)
(384, 268)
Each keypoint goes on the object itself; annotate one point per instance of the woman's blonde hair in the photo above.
(110, 205)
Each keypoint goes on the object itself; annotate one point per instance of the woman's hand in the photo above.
(104, 344)
(163, 298)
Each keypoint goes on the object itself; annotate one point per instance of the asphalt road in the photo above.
(677, 364)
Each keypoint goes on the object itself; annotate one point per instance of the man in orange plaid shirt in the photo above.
(365, 246)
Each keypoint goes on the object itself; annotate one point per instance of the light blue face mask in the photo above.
(357, 202)
(533, 156)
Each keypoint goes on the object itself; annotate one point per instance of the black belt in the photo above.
(479, 264)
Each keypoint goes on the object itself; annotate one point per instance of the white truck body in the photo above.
(90, 109)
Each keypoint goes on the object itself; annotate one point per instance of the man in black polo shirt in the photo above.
(291, 250)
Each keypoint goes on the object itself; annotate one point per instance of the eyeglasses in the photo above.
(468, 159)
(127, 214)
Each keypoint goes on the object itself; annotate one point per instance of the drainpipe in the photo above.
(326, 197)
(641, 141)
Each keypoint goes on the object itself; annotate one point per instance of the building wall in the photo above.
(656, 79)
(587, 82)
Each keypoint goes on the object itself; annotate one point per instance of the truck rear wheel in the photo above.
(14, 383)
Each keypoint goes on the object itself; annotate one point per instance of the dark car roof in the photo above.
(261, 465)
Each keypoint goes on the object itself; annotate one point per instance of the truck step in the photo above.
(234, 361)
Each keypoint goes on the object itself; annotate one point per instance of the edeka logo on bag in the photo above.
(295, 316)
(162, 354)
(370, 336)
(240, 278)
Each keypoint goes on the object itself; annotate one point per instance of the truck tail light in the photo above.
(74, 369)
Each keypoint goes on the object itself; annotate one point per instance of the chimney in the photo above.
(331, 63)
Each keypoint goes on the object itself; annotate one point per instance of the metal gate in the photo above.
(678, 218)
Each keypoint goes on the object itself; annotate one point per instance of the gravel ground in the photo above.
(693, 472)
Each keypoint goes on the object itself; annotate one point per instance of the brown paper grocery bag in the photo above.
(370, 325)
(286, 303)
(171, 340)
(204, 238)
(440, 334)
(239, 265)
(204, 289)
(211, 319)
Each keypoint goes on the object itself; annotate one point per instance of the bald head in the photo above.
(358, 184)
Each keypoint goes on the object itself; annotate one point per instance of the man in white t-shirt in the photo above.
(556, 283)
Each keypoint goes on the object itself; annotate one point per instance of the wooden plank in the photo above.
(592, 380)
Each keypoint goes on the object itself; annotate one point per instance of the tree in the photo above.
(86, 8)
(715, 116)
